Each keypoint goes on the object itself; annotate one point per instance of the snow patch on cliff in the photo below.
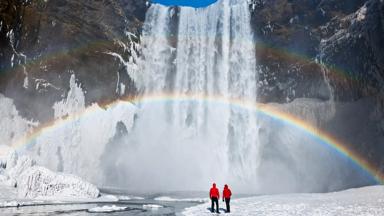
(13, 126)
(360, 14)
(74, 103)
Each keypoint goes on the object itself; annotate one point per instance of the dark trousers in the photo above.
(214, 200)
(227, 200)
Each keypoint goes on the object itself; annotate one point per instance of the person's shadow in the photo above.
(220, 210)
(223, 210)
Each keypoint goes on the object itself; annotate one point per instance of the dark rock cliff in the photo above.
(43, 42)
(291, 35)
(355, 49)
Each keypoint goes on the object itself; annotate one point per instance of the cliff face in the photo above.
(355, 49)
(43, 42)
(295, 34)
(301, 41)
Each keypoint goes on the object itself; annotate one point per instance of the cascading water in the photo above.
(186, 143)
(214, 56)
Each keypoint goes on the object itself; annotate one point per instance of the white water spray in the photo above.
(195, 142)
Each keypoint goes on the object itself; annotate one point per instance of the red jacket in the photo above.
(227, 192)
(214, 192)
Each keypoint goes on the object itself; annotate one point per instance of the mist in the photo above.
(157, 156)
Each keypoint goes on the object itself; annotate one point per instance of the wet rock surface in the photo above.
(43, 42)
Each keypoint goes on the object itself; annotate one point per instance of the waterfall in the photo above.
(210, 53)
(188, 139)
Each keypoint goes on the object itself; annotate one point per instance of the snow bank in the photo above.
(23, 163)
(9, 204)
(40, 182)
(125, 198)
(108, 198)
(361, 201)
(20, 176)
(105, 209)
(152, 206)
(170, 199)
(165, 199)
(17, 203)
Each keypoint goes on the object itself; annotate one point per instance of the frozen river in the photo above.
(115, 203)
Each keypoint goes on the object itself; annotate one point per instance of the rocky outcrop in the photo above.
(44, 42)
(300, 41)
(289, 34)
(352, 48)
(355, 51)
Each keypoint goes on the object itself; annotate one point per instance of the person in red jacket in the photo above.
(227, 197)
(214, 195)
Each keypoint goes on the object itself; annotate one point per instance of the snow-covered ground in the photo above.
(21, 179)
(367, 201)
(125, 198)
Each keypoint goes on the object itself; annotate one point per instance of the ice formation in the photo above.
(62, 146)
(40, 182)
(112, 208)
(13, 126)
(77, 145)
(31, 181)
(12, 166)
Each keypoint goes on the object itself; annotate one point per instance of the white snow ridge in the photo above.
(21, 178)
(362, 201)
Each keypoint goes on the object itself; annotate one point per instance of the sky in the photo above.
(190, 3)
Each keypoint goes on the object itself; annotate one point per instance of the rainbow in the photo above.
(268, 110)
(335, 73)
